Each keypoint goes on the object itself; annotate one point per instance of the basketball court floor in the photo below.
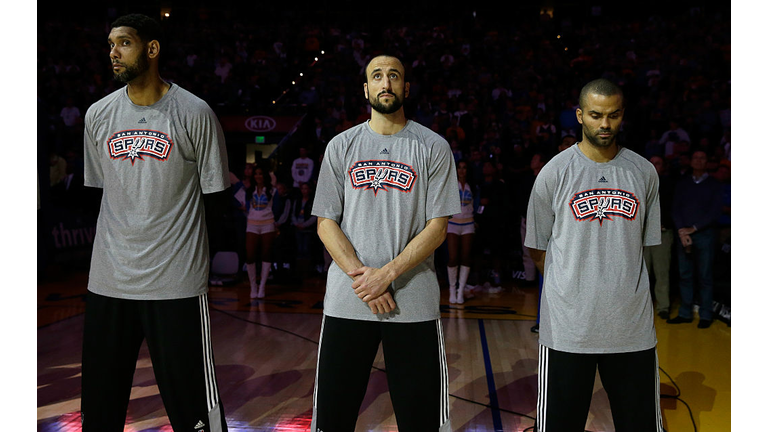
(266, 351)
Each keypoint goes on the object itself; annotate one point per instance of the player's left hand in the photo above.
(371, 283)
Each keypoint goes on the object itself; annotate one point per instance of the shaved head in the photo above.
(601, 87)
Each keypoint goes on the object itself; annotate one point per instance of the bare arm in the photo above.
(337, 244)
(538, 257)
(373, 281)
(343, 254)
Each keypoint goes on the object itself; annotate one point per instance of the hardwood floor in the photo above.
(266, 353)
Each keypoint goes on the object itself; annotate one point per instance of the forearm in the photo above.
(337, 244)
(418, 249)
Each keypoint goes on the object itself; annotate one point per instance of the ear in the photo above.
(407, 89)
(153, 49)
(365, 90)
(579, 114)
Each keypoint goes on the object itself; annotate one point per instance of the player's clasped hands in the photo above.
(370, 285)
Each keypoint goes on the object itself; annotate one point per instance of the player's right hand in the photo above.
(382, 304)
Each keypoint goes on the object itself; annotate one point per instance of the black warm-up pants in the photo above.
(567, 380)
(417, 373)
(178, 337)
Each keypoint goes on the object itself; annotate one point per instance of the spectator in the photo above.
(223, 69)
(455, 132)
(305, 227)
(58, 168)
(696, 210)
(493, 216)
(284, 242)
(522, 193)
(725, 143)
(495, 57)
(546, 133)
(722, 269)
(302, 168)
(70, 114)
(569, 125)
(673, 135)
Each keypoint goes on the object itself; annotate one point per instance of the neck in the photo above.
(388, 124)
(598, 154)
(698, 173)
(147, 89)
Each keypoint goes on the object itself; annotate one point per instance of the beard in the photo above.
(376, 104)
(594, 137)
(132, 71)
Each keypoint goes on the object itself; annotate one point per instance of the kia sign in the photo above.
(260, 124)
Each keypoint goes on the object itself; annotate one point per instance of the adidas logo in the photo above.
(142, 121)
(602, 180)
(199, 424)
(385, 151)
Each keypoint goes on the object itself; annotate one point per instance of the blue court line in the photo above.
(494, 400)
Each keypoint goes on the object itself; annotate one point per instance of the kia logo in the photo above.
(260, 124)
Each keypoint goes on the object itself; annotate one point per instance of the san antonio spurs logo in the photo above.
(134, 144)
(602, 204)
(381, 174)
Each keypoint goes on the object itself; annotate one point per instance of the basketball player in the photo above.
(153, 148)
(385, 192)
(592, 209)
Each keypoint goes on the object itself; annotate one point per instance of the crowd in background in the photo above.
(502, 90)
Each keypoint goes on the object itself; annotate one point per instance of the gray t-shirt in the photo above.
(593, 219)
(382, 190)
(153, 163)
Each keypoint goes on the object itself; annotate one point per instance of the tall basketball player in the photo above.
(385, 192)
(593, 208)
(154, 149)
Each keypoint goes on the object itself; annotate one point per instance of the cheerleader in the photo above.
(461, 234)
(260, 230)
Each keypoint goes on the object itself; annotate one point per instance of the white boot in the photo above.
(251, 269)
(452, 271)
(463, 275)
(265, 266)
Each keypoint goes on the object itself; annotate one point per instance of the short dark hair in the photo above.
(602, 87)
(147, 29)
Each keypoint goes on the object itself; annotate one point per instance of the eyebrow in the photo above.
(598, 112)
(381, 70)
(119, 37)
